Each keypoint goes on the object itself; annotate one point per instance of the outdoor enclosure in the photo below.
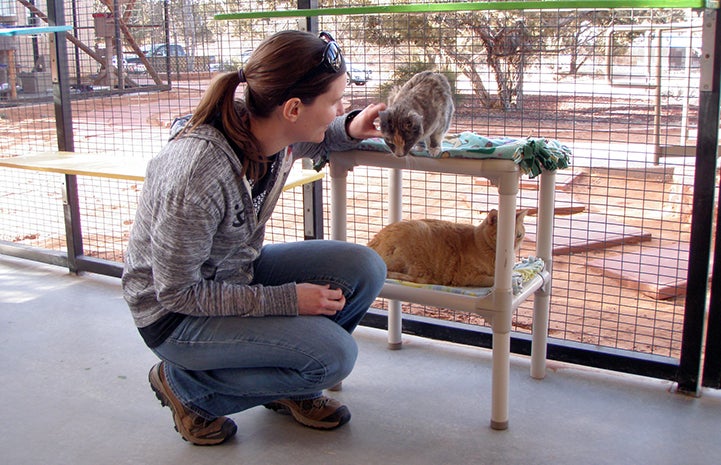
(620, 87)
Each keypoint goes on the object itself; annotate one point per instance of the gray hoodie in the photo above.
(196, 232)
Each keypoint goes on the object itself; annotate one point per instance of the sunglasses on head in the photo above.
(331, 62)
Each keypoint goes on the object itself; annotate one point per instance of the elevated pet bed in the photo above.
(501, 161)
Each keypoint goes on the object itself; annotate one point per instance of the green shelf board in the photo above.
(469, 6)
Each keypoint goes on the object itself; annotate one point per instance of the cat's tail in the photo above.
(402, 277)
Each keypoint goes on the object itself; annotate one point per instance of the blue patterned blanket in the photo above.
(533, 155)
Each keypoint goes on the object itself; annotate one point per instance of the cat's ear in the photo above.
(521, 214)
(392, 94)
(492, 217)
(384, 122)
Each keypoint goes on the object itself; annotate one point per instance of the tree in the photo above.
(499, 40)
(582, 34)
(506, 50)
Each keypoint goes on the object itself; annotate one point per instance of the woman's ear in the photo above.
(291, 109)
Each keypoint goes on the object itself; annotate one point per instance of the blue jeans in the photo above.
(222, 365)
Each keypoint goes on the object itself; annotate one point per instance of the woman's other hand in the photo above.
(314, 299)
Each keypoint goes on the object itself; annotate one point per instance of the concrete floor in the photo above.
(74, 391)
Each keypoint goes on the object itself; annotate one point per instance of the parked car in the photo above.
(114, 61)
(357, 74)
(231, 64)
(162, 50)
(244, 55)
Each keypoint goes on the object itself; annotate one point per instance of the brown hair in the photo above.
(274, 72)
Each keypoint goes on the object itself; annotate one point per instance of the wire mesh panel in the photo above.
(31, 209)
(619, 87)
(107, 209)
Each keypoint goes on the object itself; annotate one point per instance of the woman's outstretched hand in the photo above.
(314, 299)
(363, 125)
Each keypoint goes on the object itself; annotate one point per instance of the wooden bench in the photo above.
(112, 166)
(115, 167)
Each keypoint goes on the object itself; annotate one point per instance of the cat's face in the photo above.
(489, 228)
(401, 130)
(520, 229)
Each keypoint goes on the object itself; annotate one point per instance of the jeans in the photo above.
(222, 365)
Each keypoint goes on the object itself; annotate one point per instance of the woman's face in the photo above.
(315, 118)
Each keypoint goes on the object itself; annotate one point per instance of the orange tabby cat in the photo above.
(440, 252)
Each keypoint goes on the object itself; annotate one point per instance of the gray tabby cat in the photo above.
(420, 110)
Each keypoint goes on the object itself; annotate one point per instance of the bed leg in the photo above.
(500, 380)
(395, 325)
(395, 213)
(541, 303)
(544, 251)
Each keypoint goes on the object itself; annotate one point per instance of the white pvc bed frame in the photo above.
(499, 305)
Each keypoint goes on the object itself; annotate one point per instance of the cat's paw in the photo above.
(434, 151)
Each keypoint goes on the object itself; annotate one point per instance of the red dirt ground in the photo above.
(586, 305)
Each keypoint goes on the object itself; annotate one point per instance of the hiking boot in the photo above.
(192, 427)
(319, 413)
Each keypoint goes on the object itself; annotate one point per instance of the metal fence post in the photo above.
(689, 372)
(313, 193)
(64, 126)
(712, 356)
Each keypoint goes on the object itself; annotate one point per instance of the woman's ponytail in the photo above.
(219, 101)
